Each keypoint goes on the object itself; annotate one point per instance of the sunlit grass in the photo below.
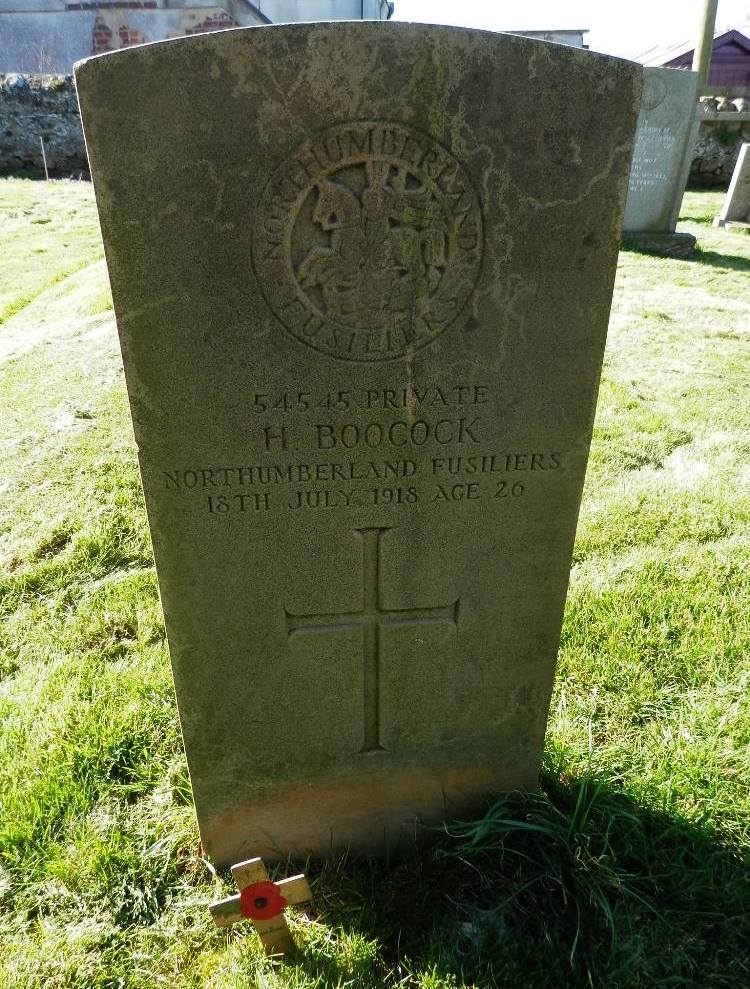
(629, 868)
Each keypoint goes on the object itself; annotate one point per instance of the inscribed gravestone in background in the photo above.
(666, 135)
(362, 276)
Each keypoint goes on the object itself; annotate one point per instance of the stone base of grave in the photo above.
(737, 226)
(674, 245)
(383, 815)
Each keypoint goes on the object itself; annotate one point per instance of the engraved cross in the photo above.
(371, 617)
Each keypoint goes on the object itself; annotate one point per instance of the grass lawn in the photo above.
(631, 867)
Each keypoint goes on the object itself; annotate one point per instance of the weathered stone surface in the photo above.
(362, 275)
(667, 131)
(736, 208)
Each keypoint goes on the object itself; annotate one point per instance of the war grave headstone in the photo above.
(736, 209)
(667, 131)
(362, 276)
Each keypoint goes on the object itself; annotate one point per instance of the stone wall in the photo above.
(717, 150)
(34, 107)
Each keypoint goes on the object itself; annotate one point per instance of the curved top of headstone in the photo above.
(261, 100)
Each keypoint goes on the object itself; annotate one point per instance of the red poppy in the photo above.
(261, 901)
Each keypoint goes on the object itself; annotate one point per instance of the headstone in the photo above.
(667, 131)
(736, 208)
(362, 276)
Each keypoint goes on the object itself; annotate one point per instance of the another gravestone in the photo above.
(667, 130)
(362, 276)
(736, 209)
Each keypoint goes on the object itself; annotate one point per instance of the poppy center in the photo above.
(261, 902)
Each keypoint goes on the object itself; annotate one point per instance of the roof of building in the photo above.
(662, 54)
(257, 11)
(550, 30)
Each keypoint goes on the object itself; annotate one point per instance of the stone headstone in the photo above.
(667, 131)
(362, 276)
(736, 208)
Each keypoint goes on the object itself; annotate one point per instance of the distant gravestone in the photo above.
(362, 276)
(736, 208)
(667, 131)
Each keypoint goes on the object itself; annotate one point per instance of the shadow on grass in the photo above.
(574, 886)
(727, 262)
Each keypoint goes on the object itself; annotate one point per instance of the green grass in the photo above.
(49, 237)
(631, 866)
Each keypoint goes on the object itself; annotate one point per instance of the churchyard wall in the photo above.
(34, 106)
(40, 106)
(720, 139)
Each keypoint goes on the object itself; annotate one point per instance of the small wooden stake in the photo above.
(262, 902)
(44, 158)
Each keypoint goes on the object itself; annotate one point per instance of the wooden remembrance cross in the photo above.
(370, 618)
(262, 902)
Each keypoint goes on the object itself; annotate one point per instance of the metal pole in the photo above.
(704, 48)
(44, 158)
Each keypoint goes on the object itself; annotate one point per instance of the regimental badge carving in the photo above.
(654, 92)
(368, 242)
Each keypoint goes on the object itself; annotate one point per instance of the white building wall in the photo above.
(286, 11)
(42, 36)
(574, 39)
(50, 43)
